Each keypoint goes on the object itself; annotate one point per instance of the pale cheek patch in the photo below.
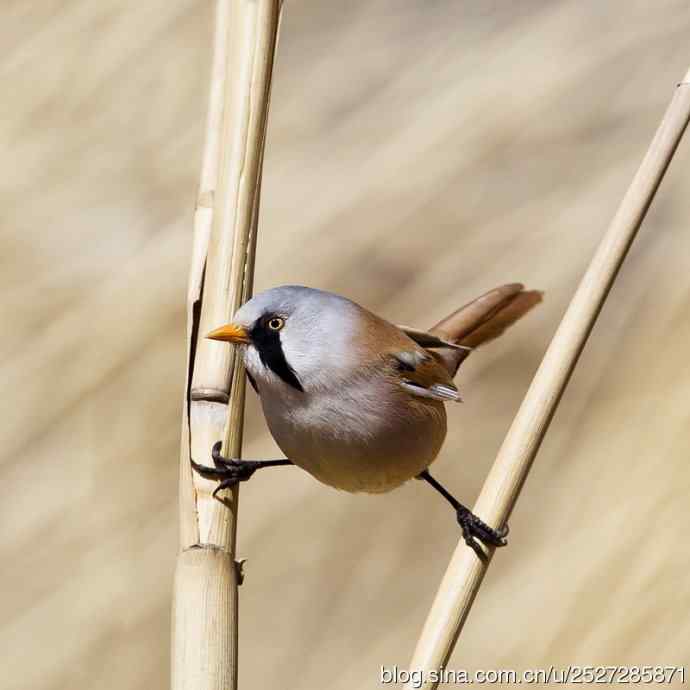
(255, 366)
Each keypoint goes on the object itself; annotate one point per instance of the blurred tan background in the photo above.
(419, 153)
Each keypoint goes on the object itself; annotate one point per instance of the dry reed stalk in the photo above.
(502, 486)
(204, 646)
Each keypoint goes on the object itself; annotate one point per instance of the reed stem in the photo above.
(501, 489)
(205, 627)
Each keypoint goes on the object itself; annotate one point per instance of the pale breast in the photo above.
(366, 435)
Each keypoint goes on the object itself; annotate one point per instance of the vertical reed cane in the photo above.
(204, 647)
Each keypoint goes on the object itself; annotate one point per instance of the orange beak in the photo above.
(231, 333)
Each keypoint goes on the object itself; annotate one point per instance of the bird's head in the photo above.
(293, 337)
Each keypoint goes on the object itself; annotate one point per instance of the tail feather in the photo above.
(483, 320)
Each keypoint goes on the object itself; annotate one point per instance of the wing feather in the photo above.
(426, 339)
(423, 375)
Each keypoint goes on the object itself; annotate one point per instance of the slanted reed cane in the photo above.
(465, 572)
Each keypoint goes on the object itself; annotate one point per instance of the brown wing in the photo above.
(429, 372)
(479, 322)
(424, 375)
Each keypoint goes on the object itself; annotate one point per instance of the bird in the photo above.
(356, 401)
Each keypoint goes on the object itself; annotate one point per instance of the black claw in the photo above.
(208, 472)
(474, 545)
(226, 471)
(225, 484)
(473, 529)
(218, 460)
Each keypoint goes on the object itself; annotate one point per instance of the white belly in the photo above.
(370, 437)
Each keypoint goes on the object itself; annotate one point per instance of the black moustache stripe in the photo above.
(268, 345)
(251, 380)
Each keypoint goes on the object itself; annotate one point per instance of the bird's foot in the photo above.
(226, 471)
(474, 528)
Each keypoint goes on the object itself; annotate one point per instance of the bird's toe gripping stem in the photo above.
(226, 471)
(474, 528)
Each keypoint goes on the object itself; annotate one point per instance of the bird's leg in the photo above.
(472, 526)
(230, 471)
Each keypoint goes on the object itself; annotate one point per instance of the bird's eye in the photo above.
(276, 323)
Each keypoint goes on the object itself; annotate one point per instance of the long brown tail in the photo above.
(483, 320)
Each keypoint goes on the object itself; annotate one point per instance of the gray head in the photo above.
(294, 337)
